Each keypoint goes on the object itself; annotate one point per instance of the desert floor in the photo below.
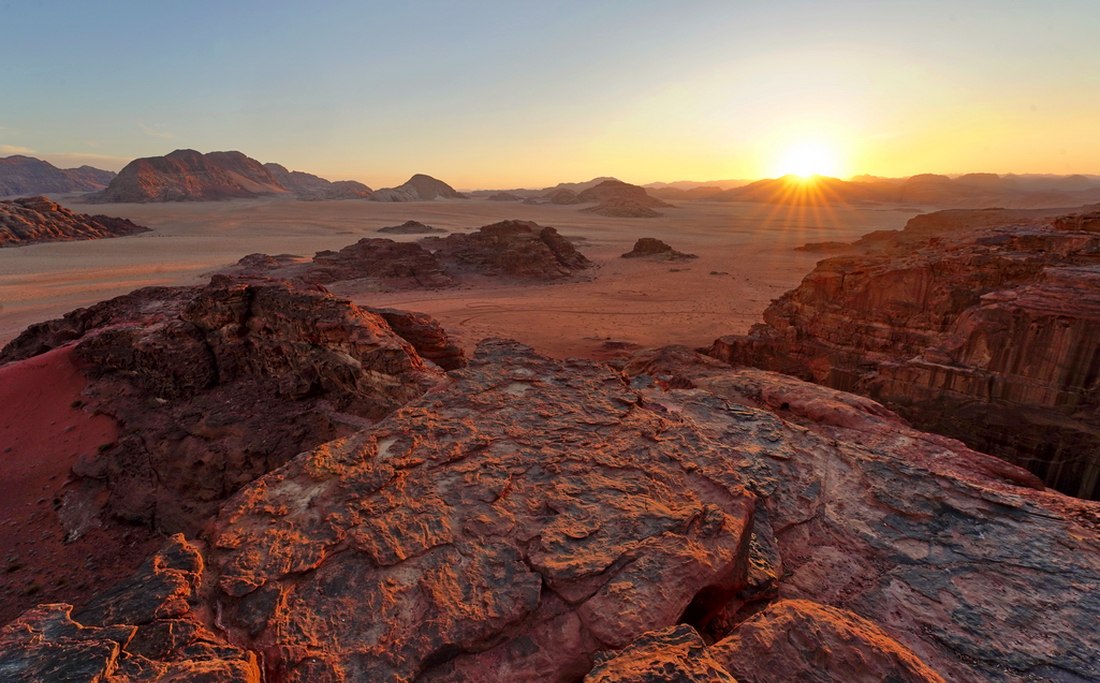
(746, 259)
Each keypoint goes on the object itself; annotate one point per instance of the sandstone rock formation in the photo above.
(38, 219)
(419, 188)
(411, 228)
(616, 198)
(534, 519)
(213, 386)
(23, 175)
(187, 175)
(988, 333)
(517, 249)
(651, 247)
(504, 197)
(141, 631)
(310, 187)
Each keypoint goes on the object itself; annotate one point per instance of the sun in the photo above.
(809, 159)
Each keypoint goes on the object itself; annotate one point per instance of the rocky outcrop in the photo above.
(38, 219)
(393, 265)
(457, 542)
(533, 519)
(243, 375)
(23, 175)
(988, 334)
(651, 247)
(143, 630)
(616, 198)
(419, 188)
(312, 188)
(411, 228)
(504, 197)
(426, 335)
(187, 175)
(515, 249)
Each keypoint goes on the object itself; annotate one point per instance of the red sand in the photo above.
(43, 429)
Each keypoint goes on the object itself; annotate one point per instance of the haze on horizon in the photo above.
(511, 94)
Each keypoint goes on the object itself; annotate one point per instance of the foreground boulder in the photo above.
(142, 630)
(516, 249)
(533, 519)
(982, 325)
(39, 219)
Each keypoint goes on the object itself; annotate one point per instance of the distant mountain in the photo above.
(617, 191)
(23, 175)
(309, 186)
(418, 188)
(695, 184)
(187, 175)
(580, 187)
(31, 220)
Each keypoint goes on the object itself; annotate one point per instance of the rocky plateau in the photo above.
(671, 519)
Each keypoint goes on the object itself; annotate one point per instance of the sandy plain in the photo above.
(746, 258)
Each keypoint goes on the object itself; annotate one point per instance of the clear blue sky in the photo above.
(518, 93)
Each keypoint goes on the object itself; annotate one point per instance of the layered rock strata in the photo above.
(988, 333)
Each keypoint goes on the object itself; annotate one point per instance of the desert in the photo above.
(550, 343)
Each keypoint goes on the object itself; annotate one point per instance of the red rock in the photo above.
(142, 631)
(310, 187)
(673, 655)
(187, 175)
(799, 640)
(492, 531)
(517, 249)
(38, 219)
(650, 247)
(986, 334)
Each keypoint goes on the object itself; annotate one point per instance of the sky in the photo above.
(487, 94)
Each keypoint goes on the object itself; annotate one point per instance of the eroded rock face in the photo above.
(988, 334)
(505, 528)
(310, 187)
(214, 386)
(799, 640)
(39, 219)
(518, 249)
(651, 247)
(533, 519)
(142, 630)
(956, 555)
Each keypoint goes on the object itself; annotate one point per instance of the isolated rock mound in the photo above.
(23, 175)
(187, 175)
(651, 247)
(213, 386)
(419, 188)
(310, 187)
(982, 334)
(619, 199)
(411, 228)
(517, 249)
(38, 219)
